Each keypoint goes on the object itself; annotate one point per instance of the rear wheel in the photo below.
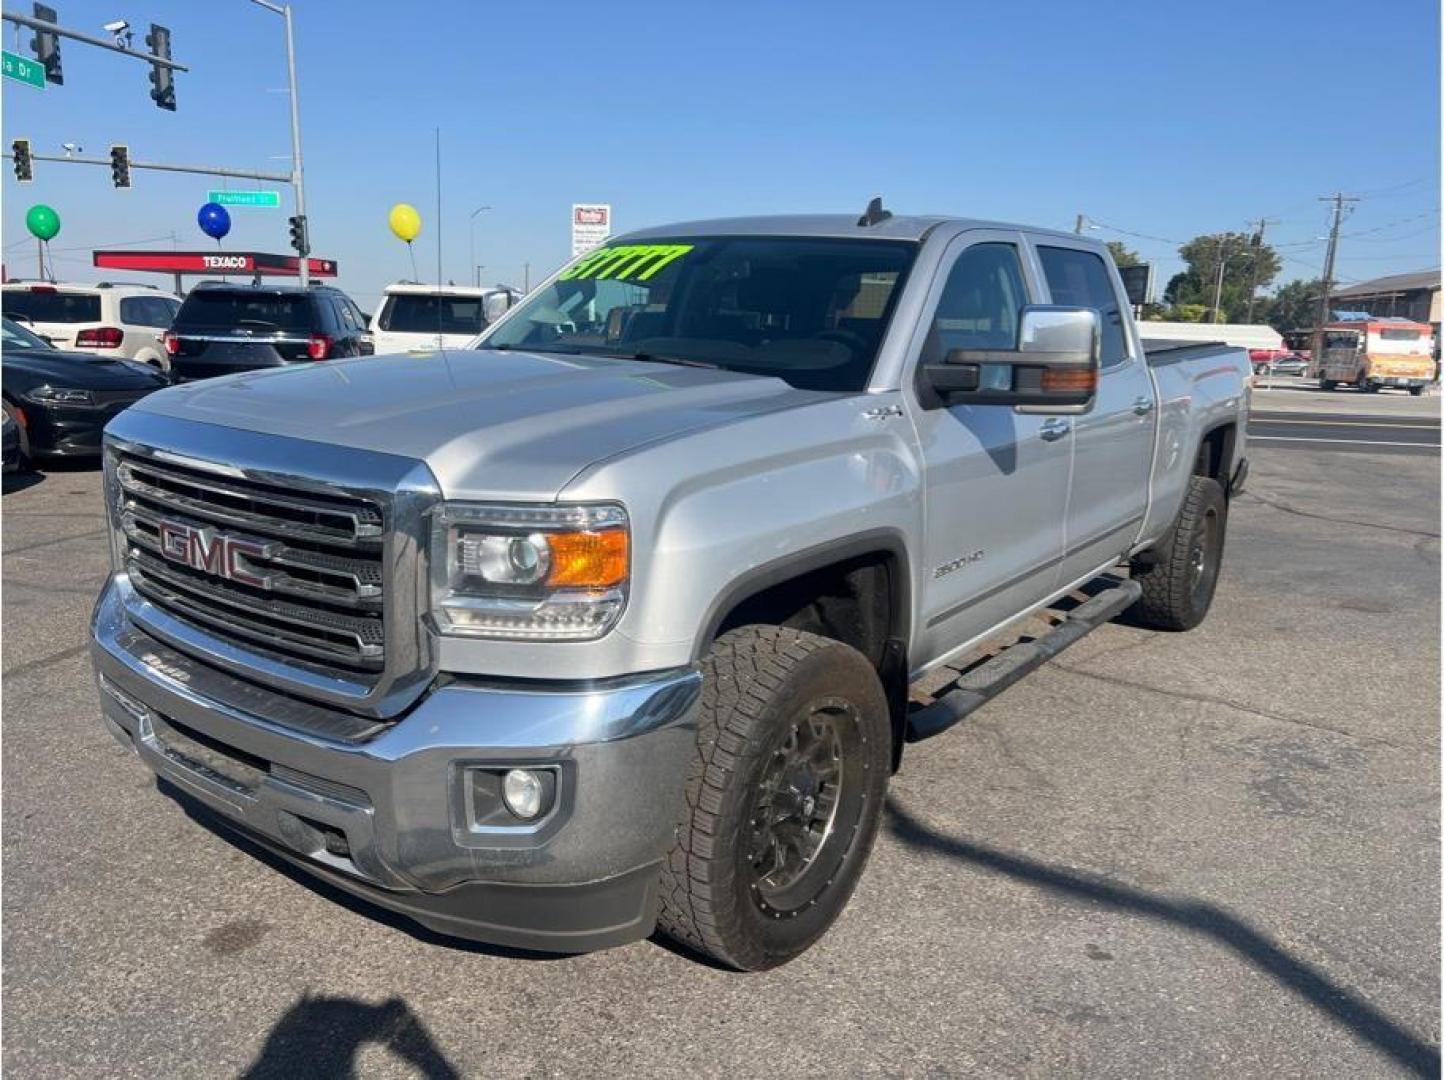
(783, 798)
(1417, 391)
(1179, 575)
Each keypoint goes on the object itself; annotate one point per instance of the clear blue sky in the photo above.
(1161, 119)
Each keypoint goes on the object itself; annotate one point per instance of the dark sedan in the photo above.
(59, 401)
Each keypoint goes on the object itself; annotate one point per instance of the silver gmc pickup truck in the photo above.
(609, 623)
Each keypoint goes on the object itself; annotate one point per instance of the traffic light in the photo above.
(24, 169)
(120, 166)
(162, 78)
(47, 45)
(300, 237)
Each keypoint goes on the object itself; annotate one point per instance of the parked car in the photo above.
(108, 319)
(1287, 364)
(610, 624)
(223, 328)
(415, 316)
(60, 401)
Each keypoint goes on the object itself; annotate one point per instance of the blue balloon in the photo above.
(214, 220)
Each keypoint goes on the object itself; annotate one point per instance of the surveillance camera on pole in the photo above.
(120, 30)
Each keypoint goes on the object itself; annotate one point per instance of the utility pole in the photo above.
(1257, 245)
(526, 277)
(1338, 198)
(1218, 289)
(1079, 222)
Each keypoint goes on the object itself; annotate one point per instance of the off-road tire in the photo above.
(757, 680)
(1175, 595)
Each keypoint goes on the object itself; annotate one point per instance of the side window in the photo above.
(1080, 279)
(981, 302)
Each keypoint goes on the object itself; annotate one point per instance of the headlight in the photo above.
(534, 573)
(61, 395)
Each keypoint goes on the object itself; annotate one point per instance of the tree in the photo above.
(1122, 255)
(1248, 263)
(1296, 305)
(1186, 313)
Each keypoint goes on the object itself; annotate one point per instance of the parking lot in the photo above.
(1208, 853)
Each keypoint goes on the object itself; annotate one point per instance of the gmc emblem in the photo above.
(215, 553)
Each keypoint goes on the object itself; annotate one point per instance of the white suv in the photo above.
(107, 319)
(414, 316)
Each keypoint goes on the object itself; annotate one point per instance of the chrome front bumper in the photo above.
(384, 814)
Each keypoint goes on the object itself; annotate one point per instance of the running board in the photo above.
(977, 687)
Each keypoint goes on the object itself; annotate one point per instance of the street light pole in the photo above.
(298, 179)
(476, 270)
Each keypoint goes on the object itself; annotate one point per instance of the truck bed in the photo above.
(1160, 351)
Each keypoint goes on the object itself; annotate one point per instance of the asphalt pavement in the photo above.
(1213, 853)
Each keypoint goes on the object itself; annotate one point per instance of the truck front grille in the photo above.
(275, 568)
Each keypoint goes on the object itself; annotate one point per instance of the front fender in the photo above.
(721, 514)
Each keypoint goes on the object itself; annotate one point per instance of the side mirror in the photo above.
(1053, 369)
(495, 306)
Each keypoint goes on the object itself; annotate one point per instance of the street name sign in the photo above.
(269, 200)
(23, 70)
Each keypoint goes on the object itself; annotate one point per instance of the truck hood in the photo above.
(490, 424)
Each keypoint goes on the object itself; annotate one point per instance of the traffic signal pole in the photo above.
(298, 176)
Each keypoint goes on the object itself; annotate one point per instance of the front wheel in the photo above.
(1327, 384)
(1367, 386)
(1180, 573)
(783, 797)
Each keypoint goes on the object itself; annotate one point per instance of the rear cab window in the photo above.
(51, 306)
(422, 313)
(245, 309)
(1078, 278)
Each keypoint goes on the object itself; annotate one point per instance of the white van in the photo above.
(413, 316)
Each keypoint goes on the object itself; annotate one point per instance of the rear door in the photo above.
(1113, 441)
(996, 481)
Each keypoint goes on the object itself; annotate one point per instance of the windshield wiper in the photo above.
(533, 348)
(659, 358)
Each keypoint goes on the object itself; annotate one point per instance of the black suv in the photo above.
(222, 328)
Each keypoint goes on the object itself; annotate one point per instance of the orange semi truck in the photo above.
(1375, 354)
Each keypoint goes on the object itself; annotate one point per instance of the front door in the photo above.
(996, 481)
(1112, 441)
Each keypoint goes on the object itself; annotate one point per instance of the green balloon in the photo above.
(43, 222)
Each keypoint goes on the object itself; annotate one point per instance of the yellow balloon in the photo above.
(405, 222)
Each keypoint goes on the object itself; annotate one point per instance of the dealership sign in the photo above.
(591, 225)
(212, 262)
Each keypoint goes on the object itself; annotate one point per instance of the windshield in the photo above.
(258, 310)
(809, 311)
(419, 313)
(17, 337)
(46, 305)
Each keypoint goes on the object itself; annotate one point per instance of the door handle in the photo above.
(1142, 406)
(1054, 429)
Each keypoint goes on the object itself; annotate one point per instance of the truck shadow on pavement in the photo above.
(1341, 1005)
(321, 1036)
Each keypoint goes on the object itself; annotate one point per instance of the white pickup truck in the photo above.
(609, 622)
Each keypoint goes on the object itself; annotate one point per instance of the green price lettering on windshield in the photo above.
(637, 262)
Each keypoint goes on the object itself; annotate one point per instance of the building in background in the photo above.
(1406, 296)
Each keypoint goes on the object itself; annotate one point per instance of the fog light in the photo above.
(523, 789)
